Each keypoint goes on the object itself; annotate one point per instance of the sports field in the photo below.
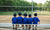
(44, 19)
(6, 17)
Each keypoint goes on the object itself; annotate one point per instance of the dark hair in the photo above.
(25, 14)
(19, 13)
(14, 14)
(29, 15)
(35, 14)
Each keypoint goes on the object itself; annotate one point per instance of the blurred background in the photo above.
(9, 7)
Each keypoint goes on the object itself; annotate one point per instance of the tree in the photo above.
(47, 4)
(40, 6)
(15, 3)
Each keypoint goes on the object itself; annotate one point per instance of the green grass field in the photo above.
(28, 12)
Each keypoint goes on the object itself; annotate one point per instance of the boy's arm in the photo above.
(17, 20)
(22, 20)
(38, 20)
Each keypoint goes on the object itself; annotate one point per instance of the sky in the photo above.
(38, 1)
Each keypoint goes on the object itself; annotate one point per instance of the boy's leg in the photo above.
(33, 27)
(22, 26)
(36, 27)
(29, 27)
(26, 27)
(16, 27)
(13, 26)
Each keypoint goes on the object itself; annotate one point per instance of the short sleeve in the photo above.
(38, 20)
(17, 20)
(32, 19)
(22, 19)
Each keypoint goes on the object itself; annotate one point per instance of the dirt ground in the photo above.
(44, 19)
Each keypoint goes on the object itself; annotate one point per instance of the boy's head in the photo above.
(35, 14)
(25, 14)
(14, 14)
(29, 15)
(19, 14)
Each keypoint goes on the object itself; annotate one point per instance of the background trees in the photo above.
(22, 3)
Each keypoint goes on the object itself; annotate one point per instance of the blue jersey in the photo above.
(30, 20)
(25, 20)
(36, 20)
(14, 20)
(20, 20)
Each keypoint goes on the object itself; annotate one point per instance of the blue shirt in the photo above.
(30, 20)
(36, 20)
(25, 20)
(20, 20)
(14, 20)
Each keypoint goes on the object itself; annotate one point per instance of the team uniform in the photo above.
(25, 20)
(20, 20)
(30, 20)
(36, 20)
(14, 20)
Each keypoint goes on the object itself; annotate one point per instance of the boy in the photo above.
(20, 18)
(30, 21)
(36, 20)
(25, 20)
(14, 20)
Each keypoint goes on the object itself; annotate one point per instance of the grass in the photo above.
(6, 13)
(28, 12)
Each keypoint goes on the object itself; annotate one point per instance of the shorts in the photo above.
(14, 23)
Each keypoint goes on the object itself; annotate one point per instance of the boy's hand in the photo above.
(38, 22)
